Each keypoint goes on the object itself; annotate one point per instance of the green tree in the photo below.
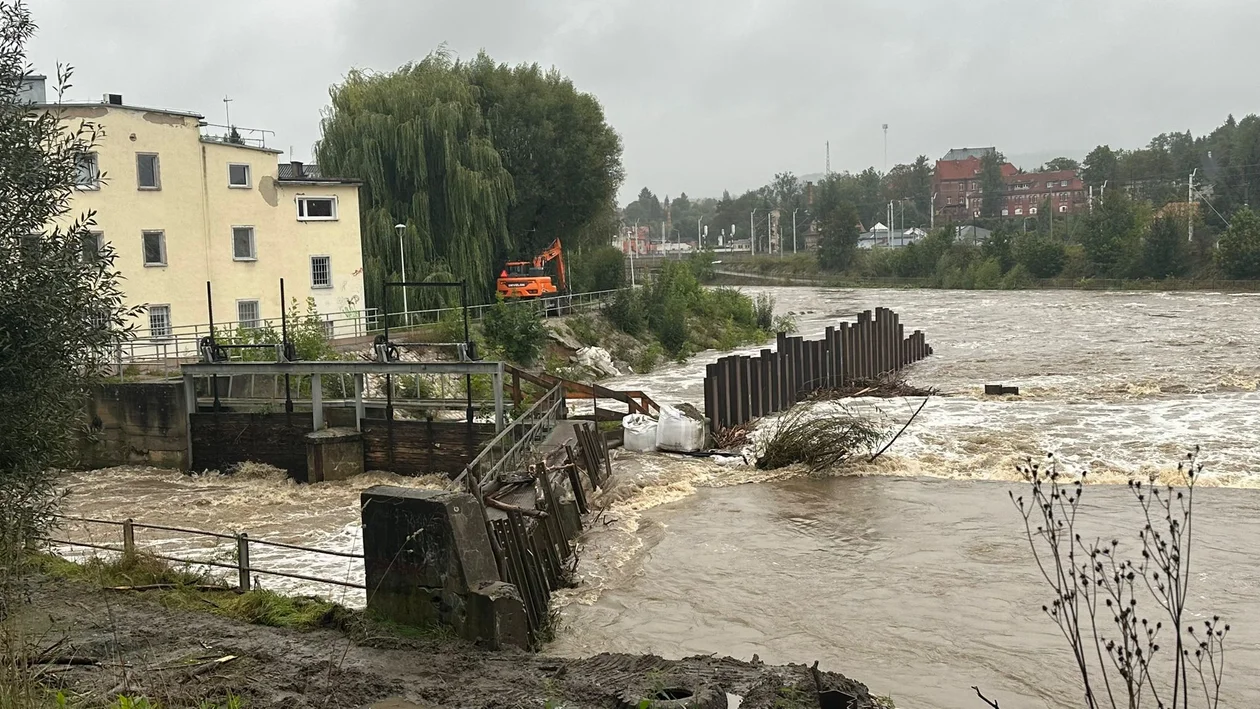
(564, 158)
(1239, 247)
(1110, 234)
(837, 218)
(419, 141)
(599, 268)
(1000, 246)
(1100, 166)
(1040, 255)
(1164, 249)
(1061, 163)
(992, 185)
(61, 312)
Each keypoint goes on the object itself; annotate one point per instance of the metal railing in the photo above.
(509, 449)
(177, 344)
(240, 564)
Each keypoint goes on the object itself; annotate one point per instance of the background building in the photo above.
(1028, 192)
(956, 182)
(181, 207)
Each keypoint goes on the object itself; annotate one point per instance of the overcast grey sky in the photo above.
(708, 94)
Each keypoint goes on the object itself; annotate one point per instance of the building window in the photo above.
(101, 319)
(238, 175)
(243, 244)
(154, 248)
(1019, 211)
(247, 317)
(949, 201)
(148, 174)
(1063, 208)
(1063, 183)
(93, 242)
(159, 321)
(88, 176)
(321, 272)
(1032, 210)
(1006, 212)
(317, 208)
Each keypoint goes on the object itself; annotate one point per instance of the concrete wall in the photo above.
(142, 424)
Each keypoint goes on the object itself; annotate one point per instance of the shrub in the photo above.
(601, 268)
(625, 312)
(1041, 256)
(671, 329)
(764, 307)
(515, 330)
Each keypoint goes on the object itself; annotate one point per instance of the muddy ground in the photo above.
(138, 647)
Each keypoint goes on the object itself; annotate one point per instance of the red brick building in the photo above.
(956, 183)
(1028, 192)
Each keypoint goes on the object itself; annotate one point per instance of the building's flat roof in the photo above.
(224, 143)
(102, 104)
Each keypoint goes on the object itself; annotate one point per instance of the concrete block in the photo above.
(333, 454)
(496, 617)
(426, 551)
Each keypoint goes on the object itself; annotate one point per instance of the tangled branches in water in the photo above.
(819, 436)
(1124, 661)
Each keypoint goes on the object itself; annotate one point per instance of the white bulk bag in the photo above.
(676, 431)
(640, 433)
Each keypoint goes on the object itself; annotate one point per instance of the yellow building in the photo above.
(182, 207)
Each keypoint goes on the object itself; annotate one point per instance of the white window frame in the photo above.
(170, 329)
(1019, 211)
(301, 208)
(315, 285)
(249, 324)
(1063, 208)
(253, 243)
(1032, 211)
(249, 176)
(157, 172)
(1006, 212)
(95, 183)
(161, 244)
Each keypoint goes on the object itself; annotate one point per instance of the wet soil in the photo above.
(176, 657)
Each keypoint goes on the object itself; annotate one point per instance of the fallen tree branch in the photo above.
(903, 430)
(165, 586)
(506, 507)
(39, 660)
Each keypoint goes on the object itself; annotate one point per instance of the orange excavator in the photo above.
(528, 279)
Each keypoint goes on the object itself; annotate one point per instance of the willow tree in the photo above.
(418, 140)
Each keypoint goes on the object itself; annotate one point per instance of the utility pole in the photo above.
(932, 213)
(1091, 199)
(828, 172)
(227, 111)
(794, 211)
(1190, 207)
(752, 231)
(699, 244)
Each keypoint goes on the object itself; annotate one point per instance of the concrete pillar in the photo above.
(333, 454)
(317, 401)
(499, 420)
(360, 411)
(428, 562)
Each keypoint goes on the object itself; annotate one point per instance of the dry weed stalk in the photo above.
(1124, 661)
(819, 437)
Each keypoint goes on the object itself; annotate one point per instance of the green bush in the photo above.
(600, 268)
(986, 275)
(1016, 278)
(625, 312)
(764, 306)
(515, 330)
(1041, 256)
(671, 328)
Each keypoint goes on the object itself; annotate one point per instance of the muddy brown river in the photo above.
(910, 574)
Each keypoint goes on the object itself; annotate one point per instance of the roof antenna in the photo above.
(227, 110)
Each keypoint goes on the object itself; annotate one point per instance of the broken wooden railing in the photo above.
(740, 388)
(511, 447)
(636, 401)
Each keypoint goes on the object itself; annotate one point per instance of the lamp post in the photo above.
(752, 231)
(402, 258)
(699, 243)
(794, 211)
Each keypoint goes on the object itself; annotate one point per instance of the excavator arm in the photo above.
(554, 252)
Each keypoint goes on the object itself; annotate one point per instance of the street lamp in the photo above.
(752, 231)
(699, 244)
(402, 257)
(794, 211)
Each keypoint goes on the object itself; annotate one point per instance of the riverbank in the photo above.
(754, 275)
(108, 644)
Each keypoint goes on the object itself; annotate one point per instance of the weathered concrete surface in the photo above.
(428, 561)
(333, 454)
(138, 423)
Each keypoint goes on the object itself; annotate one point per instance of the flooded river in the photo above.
(910, 574)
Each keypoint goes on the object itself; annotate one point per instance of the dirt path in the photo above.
(175, 657)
